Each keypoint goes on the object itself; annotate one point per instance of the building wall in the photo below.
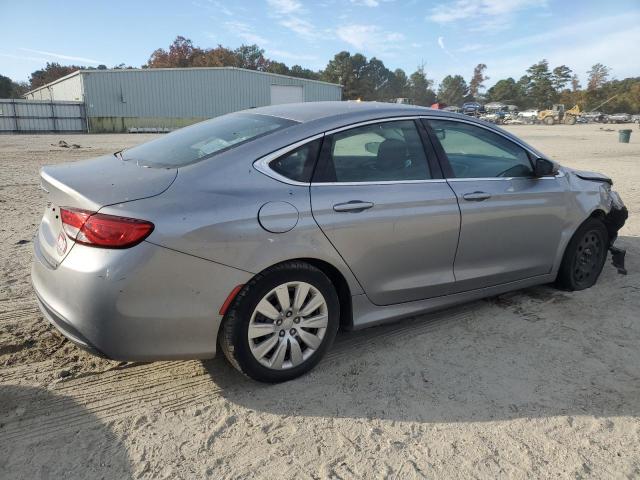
(69, 89)
(119, 100)
(31, 116)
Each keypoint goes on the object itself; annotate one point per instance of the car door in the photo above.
(380, 199)
(511, 222)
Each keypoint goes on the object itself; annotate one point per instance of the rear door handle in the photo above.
(354, 206)
(476, 196)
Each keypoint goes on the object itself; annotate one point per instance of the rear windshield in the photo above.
(197, 142)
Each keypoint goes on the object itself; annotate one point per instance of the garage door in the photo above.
(286, 94)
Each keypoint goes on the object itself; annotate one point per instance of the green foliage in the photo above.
(6, 87)
(560, 77)
(453, 90)
(507, 91)
(399, 85)
(575, 83)
(420, 90)
(539, 88)
(298, 71)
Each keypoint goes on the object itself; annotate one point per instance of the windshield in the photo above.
(197, 142)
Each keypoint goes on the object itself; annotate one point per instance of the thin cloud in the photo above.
(444, 49)
(291, 55)
(22, 57)
(246, 33)
(489, 13)
(472, 47)
(63, 56)
(574, 33)
(285, 7)
(299, 25)
(366, 3)
(370, 38)
(221, 8)
(290, 14)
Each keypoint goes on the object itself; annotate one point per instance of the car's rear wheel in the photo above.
(281, 323)
(584, 257)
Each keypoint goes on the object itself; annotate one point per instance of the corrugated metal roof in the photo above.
(124, 70)
(257, 72)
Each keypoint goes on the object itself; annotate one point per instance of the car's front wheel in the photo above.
(584, 257)
(281, 323)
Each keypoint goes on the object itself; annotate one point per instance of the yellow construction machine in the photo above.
(559, 115)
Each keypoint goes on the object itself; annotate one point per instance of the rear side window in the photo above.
(475, 152)
(298, 164)
(387, 151)
(205, 139)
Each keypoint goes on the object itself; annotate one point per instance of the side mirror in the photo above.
(372, 147)
(440, 133)
(543, 167)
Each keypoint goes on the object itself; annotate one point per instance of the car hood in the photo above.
(591, 176)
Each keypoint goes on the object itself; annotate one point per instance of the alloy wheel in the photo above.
(287, 325)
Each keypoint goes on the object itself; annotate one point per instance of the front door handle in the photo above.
(354, 206)
(476, 196)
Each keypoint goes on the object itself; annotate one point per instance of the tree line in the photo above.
(369, 79)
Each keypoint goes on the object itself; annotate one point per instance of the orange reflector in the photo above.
(230, 298)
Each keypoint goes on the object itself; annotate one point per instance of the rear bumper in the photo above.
(66, 328)
(138, 304)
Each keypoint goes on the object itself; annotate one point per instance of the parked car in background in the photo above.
(619, 118)
(597, 117)
(473, 108)
(264, 231)
(635, 118)
(528, 116)
(496, 117)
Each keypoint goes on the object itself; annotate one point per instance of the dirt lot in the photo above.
(537, 383)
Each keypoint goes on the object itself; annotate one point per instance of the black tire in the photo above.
(233, 337)
(570, 120)
(549, 120)
(584, 257)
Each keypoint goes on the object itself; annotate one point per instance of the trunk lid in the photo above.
(91, 185)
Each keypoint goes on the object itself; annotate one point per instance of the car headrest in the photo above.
(392, 154)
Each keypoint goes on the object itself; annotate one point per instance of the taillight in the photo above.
(100, 230)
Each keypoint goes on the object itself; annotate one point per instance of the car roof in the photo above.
(310, 111)
(318, 117)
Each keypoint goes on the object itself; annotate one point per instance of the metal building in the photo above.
(168, 98)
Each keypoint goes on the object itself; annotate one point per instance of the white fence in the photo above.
(34, 116)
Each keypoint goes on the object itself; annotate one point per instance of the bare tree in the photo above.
(598, 76)
(478, 79)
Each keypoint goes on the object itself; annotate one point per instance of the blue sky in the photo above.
(449, 37)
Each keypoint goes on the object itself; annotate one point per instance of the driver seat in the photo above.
(392, 156)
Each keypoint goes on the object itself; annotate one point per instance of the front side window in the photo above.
(475, 152)
(197, 142)
(389, 151)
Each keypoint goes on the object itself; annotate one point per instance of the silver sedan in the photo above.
(265, 231)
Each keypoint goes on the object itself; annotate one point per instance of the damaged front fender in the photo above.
(614, 221)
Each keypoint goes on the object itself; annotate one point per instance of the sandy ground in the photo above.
(536, 383)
